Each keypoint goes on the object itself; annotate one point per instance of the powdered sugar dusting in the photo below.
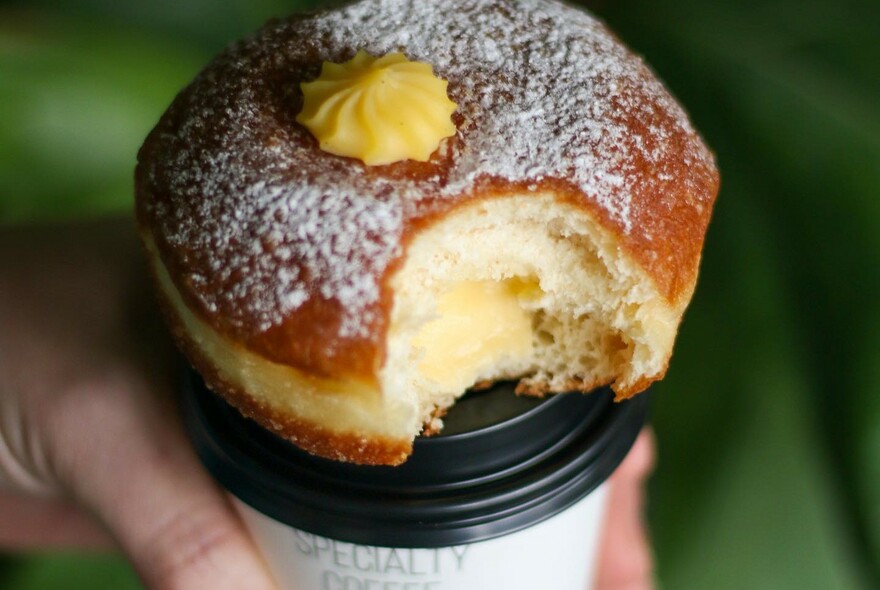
(268, 225)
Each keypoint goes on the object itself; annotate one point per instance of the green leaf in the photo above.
(72, 571)
(767, 437)
(76, 102)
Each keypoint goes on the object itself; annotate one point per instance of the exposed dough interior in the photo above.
(520, 286)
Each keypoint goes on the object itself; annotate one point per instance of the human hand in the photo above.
(625, 558)
(92, 453)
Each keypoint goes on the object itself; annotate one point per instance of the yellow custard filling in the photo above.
(478, 324)
(378, 110)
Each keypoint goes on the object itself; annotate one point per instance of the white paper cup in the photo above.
(510, 497)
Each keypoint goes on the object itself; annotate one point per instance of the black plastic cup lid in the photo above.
(502, 464)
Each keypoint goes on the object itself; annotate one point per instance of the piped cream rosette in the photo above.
(379, 110)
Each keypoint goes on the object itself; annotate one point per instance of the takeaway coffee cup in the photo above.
(510, 497)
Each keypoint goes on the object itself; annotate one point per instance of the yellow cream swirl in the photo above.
(379, 110)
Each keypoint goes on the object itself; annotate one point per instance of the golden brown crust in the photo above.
(201, 158)
(313, 438)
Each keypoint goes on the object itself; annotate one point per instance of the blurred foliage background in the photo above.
(769, 421)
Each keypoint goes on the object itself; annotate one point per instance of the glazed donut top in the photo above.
(264, 233)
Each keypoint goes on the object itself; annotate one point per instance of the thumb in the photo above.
(625, 560)
(125, 457)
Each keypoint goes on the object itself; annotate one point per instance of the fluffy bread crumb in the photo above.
(597, 319)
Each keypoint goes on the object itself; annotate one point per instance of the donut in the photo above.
(551, 234)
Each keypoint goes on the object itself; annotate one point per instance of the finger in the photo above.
(27, 523)
(625, 560)
(137, 472)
